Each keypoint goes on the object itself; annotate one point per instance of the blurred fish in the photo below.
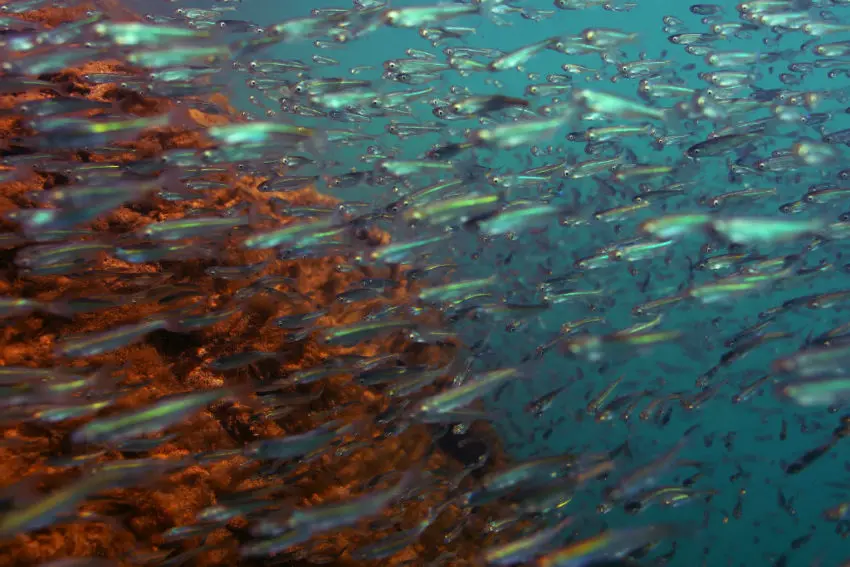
(151, 419)
(488, 203)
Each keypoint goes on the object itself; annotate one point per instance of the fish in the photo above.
(150, 419)
(639, 477)
(403, 275)
(609, 545)
(525, 549)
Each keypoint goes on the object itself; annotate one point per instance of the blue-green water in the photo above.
(738, 447)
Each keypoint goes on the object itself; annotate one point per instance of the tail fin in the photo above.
(487, 9)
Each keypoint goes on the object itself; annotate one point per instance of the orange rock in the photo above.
(171, 363)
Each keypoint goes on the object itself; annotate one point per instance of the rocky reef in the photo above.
(155, 520)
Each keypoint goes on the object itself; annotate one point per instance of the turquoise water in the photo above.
(738, 447)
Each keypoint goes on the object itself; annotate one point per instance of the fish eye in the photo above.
(581, 265)
(624, 69)
(391, 65)
(253, 65)
(298, 89)
(496, 180)
(844, 217)
(761, 165)
(589, 35)
(786, 208)
(375, 103)
(439, 112)
(222, 24)
(533, 90)
(714, 203)
(808, 198)
(391, 17)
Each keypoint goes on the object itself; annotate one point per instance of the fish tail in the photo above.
(244, 394)
(180, 117)
(114, 11)
(673, 122)
(487, 9)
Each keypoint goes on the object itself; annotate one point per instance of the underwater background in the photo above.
(716, 418)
